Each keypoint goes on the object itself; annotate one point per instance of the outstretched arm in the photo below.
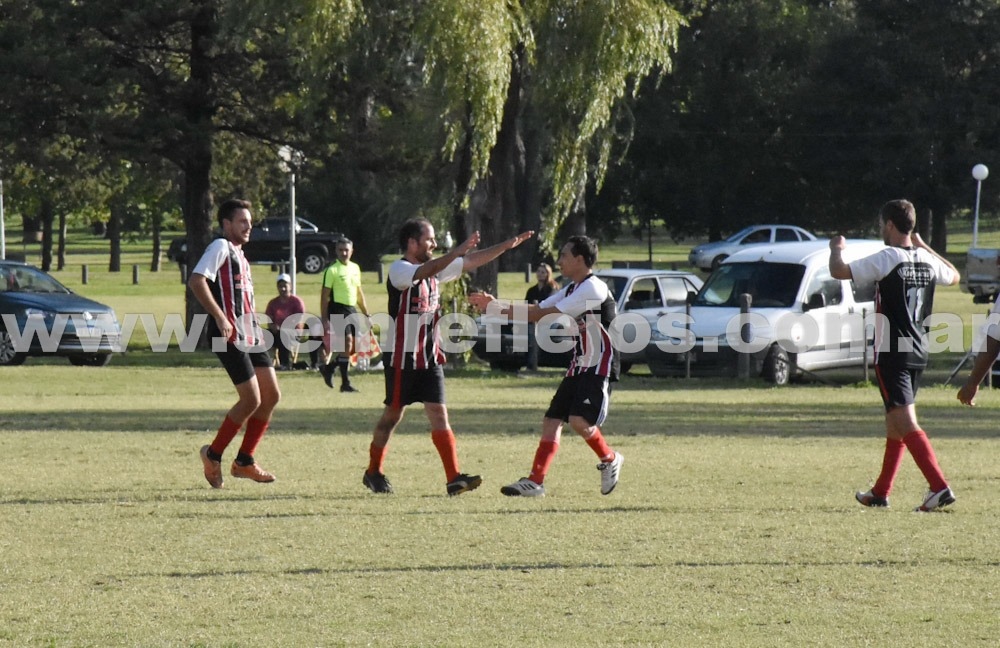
(481, 257)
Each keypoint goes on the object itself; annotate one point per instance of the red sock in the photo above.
(444, 441)
(256, 428)
(376, 457)
(894, 451)
(920, 449)
(599, 446)
(227, 432)
(543, 459)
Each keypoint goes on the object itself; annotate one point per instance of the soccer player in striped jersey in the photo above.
(222, 284)
(583, 396)
(904, 274)
(413, 361)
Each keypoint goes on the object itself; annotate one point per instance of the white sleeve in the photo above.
(870, 269)
(401, 273)
(588, 296)
(213, 258)
(453, 271)
(553, 299)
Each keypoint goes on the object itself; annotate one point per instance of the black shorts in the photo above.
(407, 386)
(342, 310)
(585, 395)
(898, 386)
(240, 365)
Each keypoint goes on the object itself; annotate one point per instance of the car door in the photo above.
(829, 306)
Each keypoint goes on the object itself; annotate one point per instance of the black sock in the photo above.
(243, 459)
(343, 364)
(213, 455)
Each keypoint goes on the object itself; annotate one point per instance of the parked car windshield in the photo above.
(771, 285)
(735, 238)
(616, 284)
(28, 279)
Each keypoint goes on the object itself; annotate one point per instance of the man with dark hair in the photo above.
(222, 284)
(339, 298)
(584, 394)
(904, 274)
(413, 362)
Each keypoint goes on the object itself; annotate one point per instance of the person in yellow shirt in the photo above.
(341, 295)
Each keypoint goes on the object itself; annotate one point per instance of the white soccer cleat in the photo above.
(936, 500)
(609, 473)
(523, 487)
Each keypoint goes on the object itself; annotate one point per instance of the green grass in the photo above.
(734, 523)
(737, 529)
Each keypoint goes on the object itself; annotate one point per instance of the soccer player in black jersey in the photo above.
(905, 274)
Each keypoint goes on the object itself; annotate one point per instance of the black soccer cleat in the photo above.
(464, 483)
(377, 483)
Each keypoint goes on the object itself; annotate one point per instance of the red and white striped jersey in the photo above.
(228, 274)
(415, 308)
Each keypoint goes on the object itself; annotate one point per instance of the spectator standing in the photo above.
(540, 291)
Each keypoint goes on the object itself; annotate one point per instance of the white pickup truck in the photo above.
(982, 275)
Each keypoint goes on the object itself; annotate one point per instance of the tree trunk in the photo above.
(61, 245)
(46, 214)
(115, 234)
(197, 163)
(498, 202)
(939, 231)
(157, 223)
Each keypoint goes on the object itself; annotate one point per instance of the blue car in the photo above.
(41, 317)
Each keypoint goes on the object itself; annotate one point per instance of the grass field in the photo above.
(734, 523)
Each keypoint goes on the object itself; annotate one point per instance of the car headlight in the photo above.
(40, 313)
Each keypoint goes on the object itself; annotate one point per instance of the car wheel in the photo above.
(8, 356)
(511, 366)
(90, 360)
(313, 261)
(717, 261)
(777, 366)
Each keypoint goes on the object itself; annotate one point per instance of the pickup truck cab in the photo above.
(269, 243)
(982, 275)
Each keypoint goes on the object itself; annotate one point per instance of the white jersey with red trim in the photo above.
(591, 304)
(228, 274)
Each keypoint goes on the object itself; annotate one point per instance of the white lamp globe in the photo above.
(979, 172)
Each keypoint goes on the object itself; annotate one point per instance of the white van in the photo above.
(800, 318)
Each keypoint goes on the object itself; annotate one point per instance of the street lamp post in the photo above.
(291, 160)
(979, 172)
(3, 223)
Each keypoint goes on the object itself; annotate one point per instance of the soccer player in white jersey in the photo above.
(583, 396)
(413, 362)
(222, 284)
(905, 274)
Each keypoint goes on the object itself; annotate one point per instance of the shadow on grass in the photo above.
(626, 419)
